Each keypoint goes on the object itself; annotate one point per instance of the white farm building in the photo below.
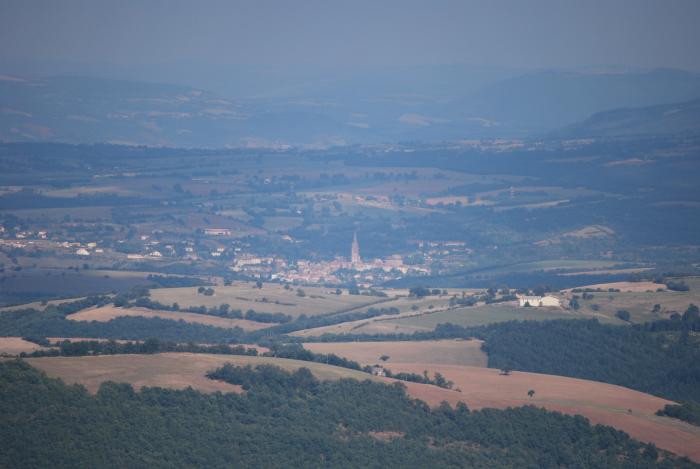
(537, 301)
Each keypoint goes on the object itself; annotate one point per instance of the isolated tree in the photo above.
(384, 358)
(623, 315)
(650, 452)
(692, 313)
(531, 392)
(259, 284)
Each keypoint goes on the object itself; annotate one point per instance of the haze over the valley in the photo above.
(350, 234)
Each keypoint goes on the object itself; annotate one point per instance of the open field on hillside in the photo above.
(272, 298)
(350, 327)
(406, 304)
(470, 316)
(17, 345)
(631, 270)
(639, 299)
(628, 286)
(622, 408)
(37, 304)
(170, 370)
(109, 312)
(445, 352)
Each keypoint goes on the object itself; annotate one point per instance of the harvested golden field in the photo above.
(443, 352)
(17, 345)
(607, 404)
(110, 312)
(272, 298)
(169, 370)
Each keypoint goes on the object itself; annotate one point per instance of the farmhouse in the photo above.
(217, 231)
(538, 301)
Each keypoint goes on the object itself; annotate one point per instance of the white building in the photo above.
(217, 231)
(539, 301)
(82, 252)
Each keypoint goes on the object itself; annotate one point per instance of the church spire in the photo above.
(355, 251)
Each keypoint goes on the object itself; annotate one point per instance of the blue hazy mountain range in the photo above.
(394, 104)
(664, 119)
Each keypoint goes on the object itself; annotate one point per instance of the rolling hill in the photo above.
(665, 119)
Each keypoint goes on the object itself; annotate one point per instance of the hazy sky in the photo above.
(513, 33)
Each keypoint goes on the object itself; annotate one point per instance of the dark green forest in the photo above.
(288, 420)
(659, 358)
(688, 411)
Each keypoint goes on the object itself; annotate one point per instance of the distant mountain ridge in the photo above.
(344, 109)
(549, 100)
(661, 120)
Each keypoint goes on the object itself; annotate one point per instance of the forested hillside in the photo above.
(288, 420)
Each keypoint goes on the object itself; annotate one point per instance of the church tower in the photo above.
(355, 251)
